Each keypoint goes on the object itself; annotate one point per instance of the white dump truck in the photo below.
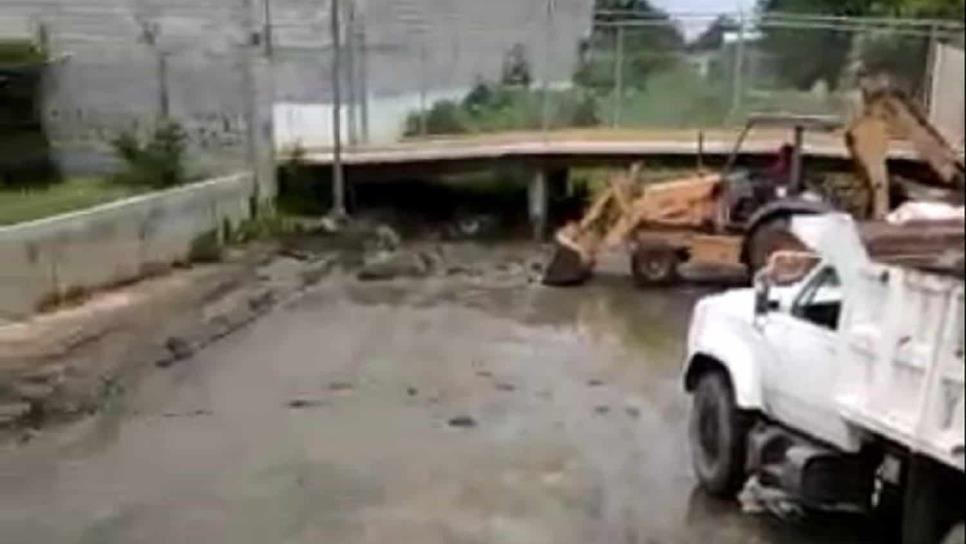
(838, 379)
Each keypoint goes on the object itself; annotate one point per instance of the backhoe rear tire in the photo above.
(718, 435)
(655, 266)
(769, 237)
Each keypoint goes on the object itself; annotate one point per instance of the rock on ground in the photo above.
(402, 264)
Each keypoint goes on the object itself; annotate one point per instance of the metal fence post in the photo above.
(423, 91)
(363, 82)
(338, 174)
(931, 54)
(546, 109)
(739, 68)
(350, 75)
(164, 93)
(619, 76)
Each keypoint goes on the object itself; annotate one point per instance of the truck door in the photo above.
(802, 378)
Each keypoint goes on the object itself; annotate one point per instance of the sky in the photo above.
(705, 6)
(692, 28)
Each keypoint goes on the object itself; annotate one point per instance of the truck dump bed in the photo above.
(902, 334)
(930, 246)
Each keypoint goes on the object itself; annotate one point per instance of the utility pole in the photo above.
(267, 32)
(258, 100)
(338, 174)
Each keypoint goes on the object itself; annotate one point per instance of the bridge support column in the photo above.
(539, 204)
(546, 185)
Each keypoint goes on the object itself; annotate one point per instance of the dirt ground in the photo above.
(452, 409)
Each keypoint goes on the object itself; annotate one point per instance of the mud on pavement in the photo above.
(456, 402)
(69, 363)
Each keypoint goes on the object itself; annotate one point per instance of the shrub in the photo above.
(516, 67)
(445, 117)
(585, 113)
(157, 162)
(302, 190)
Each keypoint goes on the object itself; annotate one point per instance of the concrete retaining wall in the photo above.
(113, 243)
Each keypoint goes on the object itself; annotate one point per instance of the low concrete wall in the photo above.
(113, 243)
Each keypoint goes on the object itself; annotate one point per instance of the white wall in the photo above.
(113, 243)
(310, 125)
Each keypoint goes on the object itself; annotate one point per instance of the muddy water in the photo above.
(447, 410)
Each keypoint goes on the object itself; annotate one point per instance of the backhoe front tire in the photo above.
(655, 266)
(718, 436)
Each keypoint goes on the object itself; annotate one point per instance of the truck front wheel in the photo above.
(718, 435)
(957, 535)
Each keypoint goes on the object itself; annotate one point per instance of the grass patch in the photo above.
(677, 98)
(490, 108)
(18, 205)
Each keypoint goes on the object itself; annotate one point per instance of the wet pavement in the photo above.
(444, 410)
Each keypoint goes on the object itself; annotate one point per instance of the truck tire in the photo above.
(655, 266)
(718, 436)
(933, 502)
(957, 535)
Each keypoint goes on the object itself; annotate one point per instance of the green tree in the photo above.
(940, 9)
(157, 161)
(516, 67)
(647, 49)
(713, 37)
(803, 57)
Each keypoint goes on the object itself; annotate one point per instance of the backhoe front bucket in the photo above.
(566, 268)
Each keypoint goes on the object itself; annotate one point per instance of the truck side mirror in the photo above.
(763, 301)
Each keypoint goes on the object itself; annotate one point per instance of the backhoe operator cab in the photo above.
(784, 178)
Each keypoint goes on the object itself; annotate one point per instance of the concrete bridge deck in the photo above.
(553, 153)
(592, 147)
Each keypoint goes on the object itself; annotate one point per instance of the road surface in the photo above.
(445, 410)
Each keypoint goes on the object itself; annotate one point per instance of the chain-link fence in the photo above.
(96, 70)
(434, 68)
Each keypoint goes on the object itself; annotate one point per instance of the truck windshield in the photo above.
(820, 303)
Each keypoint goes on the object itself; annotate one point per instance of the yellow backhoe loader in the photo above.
(729, 219)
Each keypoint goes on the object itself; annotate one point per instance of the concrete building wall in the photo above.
(106, 74)
(107, 71)
(113, 243)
